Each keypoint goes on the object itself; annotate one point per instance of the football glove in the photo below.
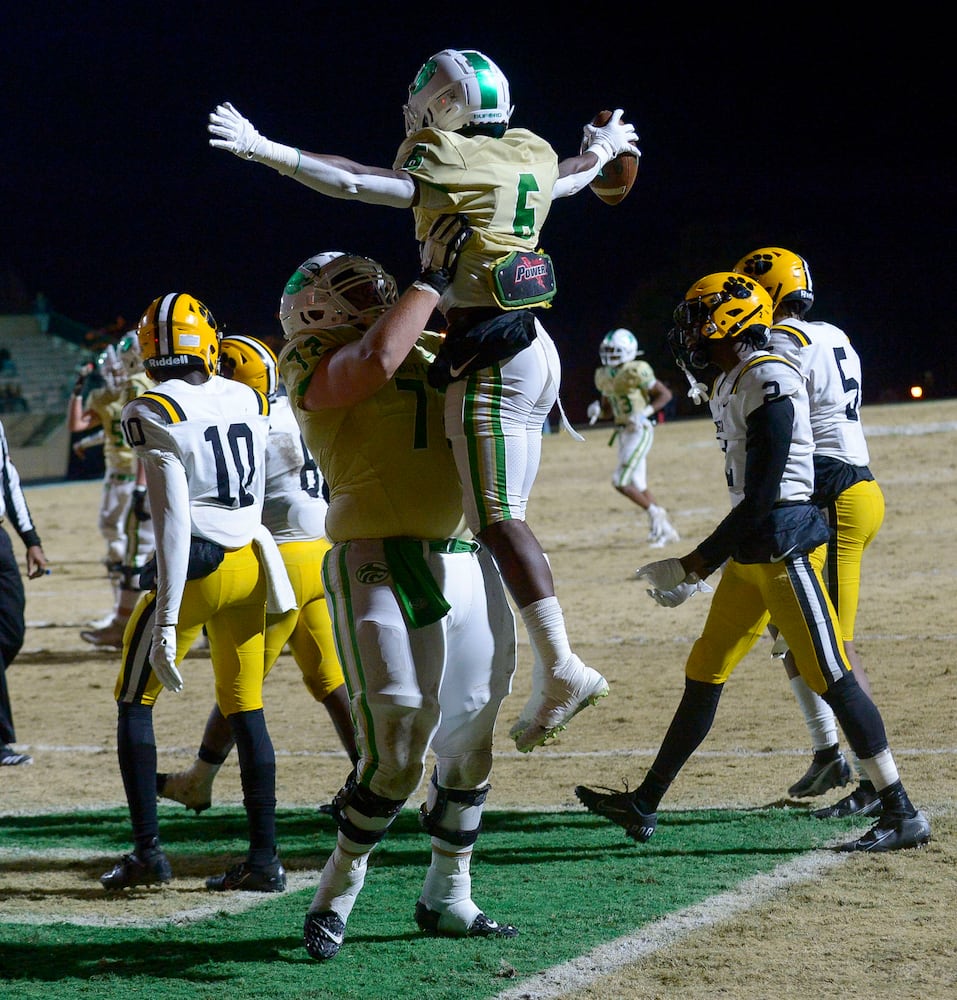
(163, 657)
(609, 140)
(594, 412)
(678, 595)
(670, 585)
(238, 135)
(439, 254)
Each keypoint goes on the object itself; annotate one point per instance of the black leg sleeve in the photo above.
(858, 716)
(691, 724)
(136, 749)
(257, 763)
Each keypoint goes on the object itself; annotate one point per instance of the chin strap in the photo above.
(698, 391)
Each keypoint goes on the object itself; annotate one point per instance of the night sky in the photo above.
(827, 137)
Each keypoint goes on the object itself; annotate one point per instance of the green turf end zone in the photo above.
(568, 880)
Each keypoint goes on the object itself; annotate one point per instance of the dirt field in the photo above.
(873, 927)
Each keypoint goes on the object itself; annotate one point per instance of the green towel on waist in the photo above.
(419, 594)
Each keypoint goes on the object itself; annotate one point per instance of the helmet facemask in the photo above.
(335, 289)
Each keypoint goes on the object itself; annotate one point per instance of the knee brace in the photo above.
(455, 815)
(363, 803)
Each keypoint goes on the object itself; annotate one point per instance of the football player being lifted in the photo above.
(499, 366)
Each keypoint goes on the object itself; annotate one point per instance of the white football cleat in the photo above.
(571, 688)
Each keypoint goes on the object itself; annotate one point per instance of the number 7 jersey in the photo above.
(218, 432)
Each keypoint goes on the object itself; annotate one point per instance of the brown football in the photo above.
(617, 177)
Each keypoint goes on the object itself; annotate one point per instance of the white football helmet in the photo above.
(457, 88)
(335, 289)
(128, 354)
(619, 346)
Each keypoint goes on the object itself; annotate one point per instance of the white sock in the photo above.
(818, 716)
(339, 885)
(545, 624)
(881, 770)
(448, 886)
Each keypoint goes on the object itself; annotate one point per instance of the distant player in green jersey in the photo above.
(631, 395)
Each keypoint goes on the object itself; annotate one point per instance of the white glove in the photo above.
(678, 595)
(238, 135)
(670, 585)
(439, 254)
(607, 141)
(665, 574)
(163, 657)
(594, 412)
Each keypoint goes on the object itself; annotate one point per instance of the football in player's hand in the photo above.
(617, 177)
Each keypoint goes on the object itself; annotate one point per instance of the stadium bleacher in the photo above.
(44, 366)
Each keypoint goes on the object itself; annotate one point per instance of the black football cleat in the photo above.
(151, 867)
(323, 934)
(245, 878)
(892, 832)
(622, 809)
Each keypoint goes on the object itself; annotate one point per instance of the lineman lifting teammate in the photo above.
(294, 511)
(499, 365)
(202, 439)
(425, 633)
(844, 488)
(765, 544)
(631, 394)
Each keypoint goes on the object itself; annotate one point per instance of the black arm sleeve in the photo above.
(768, 445)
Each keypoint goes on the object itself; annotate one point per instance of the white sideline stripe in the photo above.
(582, 972)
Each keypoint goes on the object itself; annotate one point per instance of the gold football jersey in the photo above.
(386, 460)
(503, 185)
(627, 388)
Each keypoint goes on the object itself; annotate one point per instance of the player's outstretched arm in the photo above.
(334, 176)
(600, 143)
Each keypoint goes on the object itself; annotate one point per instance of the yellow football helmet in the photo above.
(178, 331)
(718, 306)
(782, 273)
(251, 362)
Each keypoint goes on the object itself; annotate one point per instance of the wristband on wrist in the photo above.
(434, 282)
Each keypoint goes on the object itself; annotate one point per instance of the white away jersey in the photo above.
(294, 509)
(833, 371)
(758, 379)
(218, 432)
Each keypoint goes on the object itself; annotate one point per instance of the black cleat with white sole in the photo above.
(323, 934)
(622, 809)
(481, 926)
(892, 832)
